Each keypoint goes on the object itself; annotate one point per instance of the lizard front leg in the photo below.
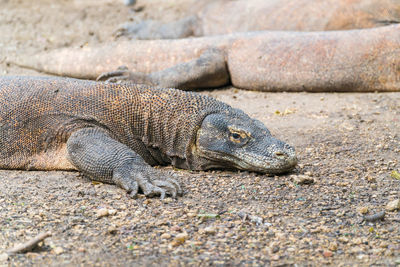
(102, 158)
(207, 71)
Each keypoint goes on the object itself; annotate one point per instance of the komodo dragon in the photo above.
(226, 16)
(113, 133)
(354, 60)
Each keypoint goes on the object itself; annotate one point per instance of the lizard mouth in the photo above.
(249, 162)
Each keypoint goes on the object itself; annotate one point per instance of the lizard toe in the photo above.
(152, 191)
(169, 188)
(125, 182)
(176, 184)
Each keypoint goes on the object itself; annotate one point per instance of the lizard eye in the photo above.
(238, 137)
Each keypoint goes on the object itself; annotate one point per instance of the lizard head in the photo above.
(236, 141)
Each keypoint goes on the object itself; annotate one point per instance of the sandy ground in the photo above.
(348, 143)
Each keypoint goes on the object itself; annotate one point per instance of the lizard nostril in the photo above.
(280, 154)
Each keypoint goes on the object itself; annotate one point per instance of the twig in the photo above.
(29, 245)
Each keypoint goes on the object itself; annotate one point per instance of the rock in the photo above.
(302, 179)
(58, 250)
(165, 236)
(176, 228)
(112, 212)
(179, 240)
(363, 210)
(275, 257)
(102, 212)
(393, 205)
(333, 246)
(112, 230)
(210, 230)
(181, 237)
(327, 253)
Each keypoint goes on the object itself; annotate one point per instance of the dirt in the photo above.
(348, 144)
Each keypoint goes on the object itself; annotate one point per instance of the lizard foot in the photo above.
(157, 185)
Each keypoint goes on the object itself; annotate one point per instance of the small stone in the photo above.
(112, 230)
(291, 249)
(343, 239)
(393, 205)
(176, 228)
(333, 246)
(363, 210)
(179, 240)
(112, 212)
(209, 230)
(81, 249)
(181, 237)
(165, 236)
(102, 212)
(275, 257)
(327, 253)
(302, 179)
(58, 250)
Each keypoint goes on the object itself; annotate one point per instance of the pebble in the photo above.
(58, 250)
(275, 257)
(179, 239)
(302, 179)
(165, 236)
(210, 230)
(112, 212)
(327, 253)
(176, 228)
(363, 210)
(393, 205)
(356, 241)
(102, 212)
(333, 246)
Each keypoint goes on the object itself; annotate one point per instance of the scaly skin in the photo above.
(115, 133)
(356, 60)
(224, 17)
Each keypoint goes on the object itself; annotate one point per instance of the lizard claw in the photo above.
(169, 187)
(131, 186)
(158, 186)
(121, 74)
(152, 191)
